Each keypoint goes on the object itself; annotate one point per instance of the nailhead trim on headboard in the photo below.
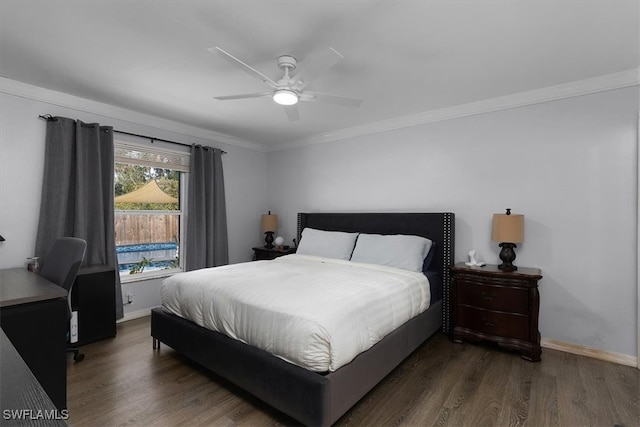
(449, 226)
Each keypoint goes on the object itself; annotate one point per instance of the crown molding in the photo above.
(552, 93)
(562, 91)
(40, 94)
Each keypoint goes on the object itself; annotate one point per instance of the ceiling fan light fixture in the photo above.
(285, 97)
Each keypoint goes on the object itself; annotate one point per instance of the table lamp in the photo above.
(508, 229)
(269, 226)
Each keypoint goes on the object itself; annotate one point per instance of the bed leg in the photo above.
(156, 344)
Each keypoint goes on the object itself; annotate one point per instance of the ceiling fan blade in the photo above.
(331, 99)
(308, 71)
(292, 112)
(248, 69)
(244, 96)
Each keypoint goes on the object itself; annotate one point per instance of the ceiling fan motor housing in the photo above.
(287, 62)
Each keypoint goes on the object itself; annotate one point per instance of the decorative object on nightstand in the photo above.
(473, 262)
(508, 229)
(269, 226)
(495, 305)
(279, 242)
(263, 254)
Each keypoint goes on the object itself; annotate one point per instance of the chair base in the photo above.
(77, 356)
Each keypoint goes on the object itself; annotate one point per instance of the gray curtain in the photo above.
(78, 192)
(206, 244)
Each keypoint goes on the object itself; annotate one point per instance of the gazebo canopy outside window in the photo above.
(150, 193)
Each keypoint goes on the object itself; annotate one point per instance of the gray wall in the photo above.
(569, 166)
(21, 166)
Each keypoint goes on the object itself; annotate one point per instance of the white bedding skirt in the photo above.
(317, 313)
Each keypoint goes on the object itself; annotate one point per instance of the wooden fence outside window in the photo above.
(136, 227)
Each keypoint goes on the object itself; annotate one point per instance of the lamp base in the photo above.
(507, 255)
(268, 238)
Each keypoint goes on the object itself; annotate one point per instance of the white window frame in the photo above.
(161, 157)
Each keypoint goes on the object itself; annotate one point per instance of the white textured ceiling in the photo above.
(400, 57)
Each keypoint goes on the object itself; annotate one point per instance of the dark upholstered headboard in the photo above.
(438, 227)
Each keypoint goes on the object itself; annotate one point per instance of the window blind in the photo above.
(126, 152)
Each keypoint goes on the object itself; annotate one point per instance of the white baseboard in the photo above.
(135, 315)
(607, 356)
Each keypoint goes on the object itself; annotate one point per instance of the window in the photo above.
(149, 187)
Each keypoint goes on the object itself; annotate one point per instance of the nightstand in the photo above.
(492, 305)
(261, 254)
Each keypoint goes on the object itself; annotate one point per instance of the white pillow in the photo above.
(328, 244)
(399, 250)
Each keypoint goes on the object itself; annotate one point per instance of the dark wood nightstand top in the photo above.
(276, 250)
(493, 270)
(262, 253)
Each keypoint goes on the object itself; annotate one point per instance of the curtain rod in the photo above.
(49, 117)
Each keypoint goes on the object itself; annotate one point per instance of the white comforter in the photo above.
(318, 313)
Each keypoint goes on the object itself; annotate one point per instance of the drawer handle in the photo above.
(489, 297)
(488, 323)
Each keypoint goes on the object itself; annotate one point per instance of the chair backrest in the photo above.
(63, 261)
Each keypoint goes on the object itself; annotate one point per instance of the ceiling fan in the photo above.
(291, 87)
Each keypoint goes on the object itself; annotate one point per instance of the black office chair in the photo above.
(61, 267)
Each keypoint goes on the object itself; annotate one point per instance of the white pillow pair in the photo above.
(399, 251)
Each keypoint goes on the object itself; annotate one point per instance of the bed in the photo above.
(321, 398)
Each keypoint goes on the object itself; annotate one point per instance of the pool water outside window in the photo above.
(161, 256)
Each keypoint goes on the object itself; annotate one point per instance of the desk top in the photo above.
(20, 286)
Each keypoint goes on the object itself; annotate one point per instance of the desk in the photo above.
(22, 394)
(33, 315)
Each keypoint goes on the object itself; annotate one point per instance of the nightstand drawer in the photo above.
(490, 297)
(493, 323)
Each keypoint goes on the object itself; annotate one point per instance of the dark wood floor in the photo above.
(122, 381)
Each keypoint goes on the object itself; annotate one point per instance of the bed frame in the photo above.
(310, 397)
